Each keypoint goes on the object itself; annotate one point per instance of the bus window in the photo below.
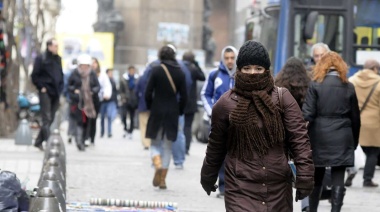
(268, 34)
(328, 30)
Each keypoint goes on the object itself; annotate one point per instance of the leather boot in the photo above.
(158, 166)
(337, 195)
(164, 172)
(314, 199)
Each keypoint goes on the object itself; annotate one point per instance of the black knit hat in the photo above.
(253, 53)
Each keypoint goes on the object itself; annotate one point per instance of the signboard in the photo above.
(173, 33)
(99, 45)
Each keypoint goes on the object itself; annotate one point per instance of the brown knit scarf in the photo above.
(245, 134)
(88, 105)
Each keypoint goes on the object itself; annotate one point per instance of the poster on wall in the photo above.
(173, 33)
(98, 45)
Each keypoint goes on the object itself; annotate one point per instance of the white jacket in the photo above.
(105, 86)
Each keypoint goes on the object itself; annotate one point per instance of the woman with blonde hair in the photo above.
(331, 107)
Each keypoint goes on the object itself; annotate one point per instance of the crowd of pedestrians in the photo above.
(310, 115)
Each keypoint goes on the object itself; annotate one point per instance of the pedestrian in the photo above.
(71, 120)
(368, 92)
(83, 88)
(108, 107)
(165, 97)
(220, 81)
(191, 108)
(142, 110)
(248, 126)
(129, 99)
(294, 77)
(331, 107)
(47, 76)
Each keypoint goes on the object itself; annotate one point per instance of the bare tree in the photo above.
(37, 18)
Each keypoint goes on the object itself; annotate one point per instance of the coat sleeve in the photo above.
(207, 94)
(197, 74)
(299, 142)
(36, 72)
(149, 89)
(309, 107)
(123, 95)
(355, 116)
(182, 95)
(217, 143)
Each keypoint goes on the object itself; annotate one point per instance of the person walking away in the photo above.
(71, 124)
(83, 88)
(294, 77)
(165, 97)
(47, 76)
(108, 107)
(368, 92)
(220, 81)
(191, 105)
(331, 107)
(143, 111)
(129, 99)
(248, 126)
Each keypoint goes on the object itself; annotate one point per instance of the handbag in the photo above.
(289, 154)
(169, 77)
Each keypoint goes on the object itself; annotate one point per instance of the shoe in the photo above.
(146, 148)
(306, 209)
(179, 166)
(110, 136)
(349, 179)
(220, 195)
(69, 140)
(130, 136)
(370, 184)
(40, 147)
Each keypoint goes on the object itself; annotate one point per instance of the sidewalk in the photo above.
(119, 168)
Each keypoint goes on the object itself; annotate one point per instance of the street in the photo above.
(119, 168)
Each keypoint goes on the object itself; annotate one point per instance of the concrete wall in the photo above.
(142, 18)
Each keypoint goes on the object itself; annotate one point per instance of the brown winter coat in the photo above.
(370, 117)
(263, 184)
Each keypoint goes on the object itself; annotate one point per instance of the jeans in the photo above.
(189, 118)
(371, 161)
(221, 179)
(163, 147)
(49, 106)
(179, 146)
(109, 110)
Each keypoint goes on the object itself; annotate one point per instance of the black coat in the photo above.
(75, 82)
(165, 106)
(332, 109)
(47, 73)
(196, 74)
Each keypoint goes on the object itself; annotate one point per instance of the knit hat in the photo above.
(253, 53)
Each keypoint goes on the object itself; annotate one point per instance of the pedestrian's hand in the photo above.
(76, 91)
(43, 90)
(302, 193)
(209, 188)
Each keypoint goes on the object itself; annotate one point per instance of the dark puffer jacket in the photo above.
(262, 184)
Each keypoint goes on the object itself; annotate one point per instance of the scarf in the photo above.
(88, 105)
(131, 82)
(256, 106)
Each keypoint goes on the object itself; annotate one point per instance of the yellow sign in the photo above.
(98, 45)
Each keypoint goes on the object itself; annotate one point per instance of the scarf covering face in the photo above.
(245, 134)
(88, 106)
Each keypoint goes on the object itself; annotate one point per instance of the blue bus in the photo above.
(290, 28)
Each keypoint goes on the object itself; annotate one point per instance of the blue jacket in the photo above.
(215, 87)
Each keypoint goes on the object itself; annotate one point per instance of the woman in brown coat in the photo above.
(248, 131)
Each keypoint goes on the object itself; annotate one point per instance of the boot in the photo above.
(337, 195)
(314, 199)
(79, 141)
(158, 166)
(164, 172)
